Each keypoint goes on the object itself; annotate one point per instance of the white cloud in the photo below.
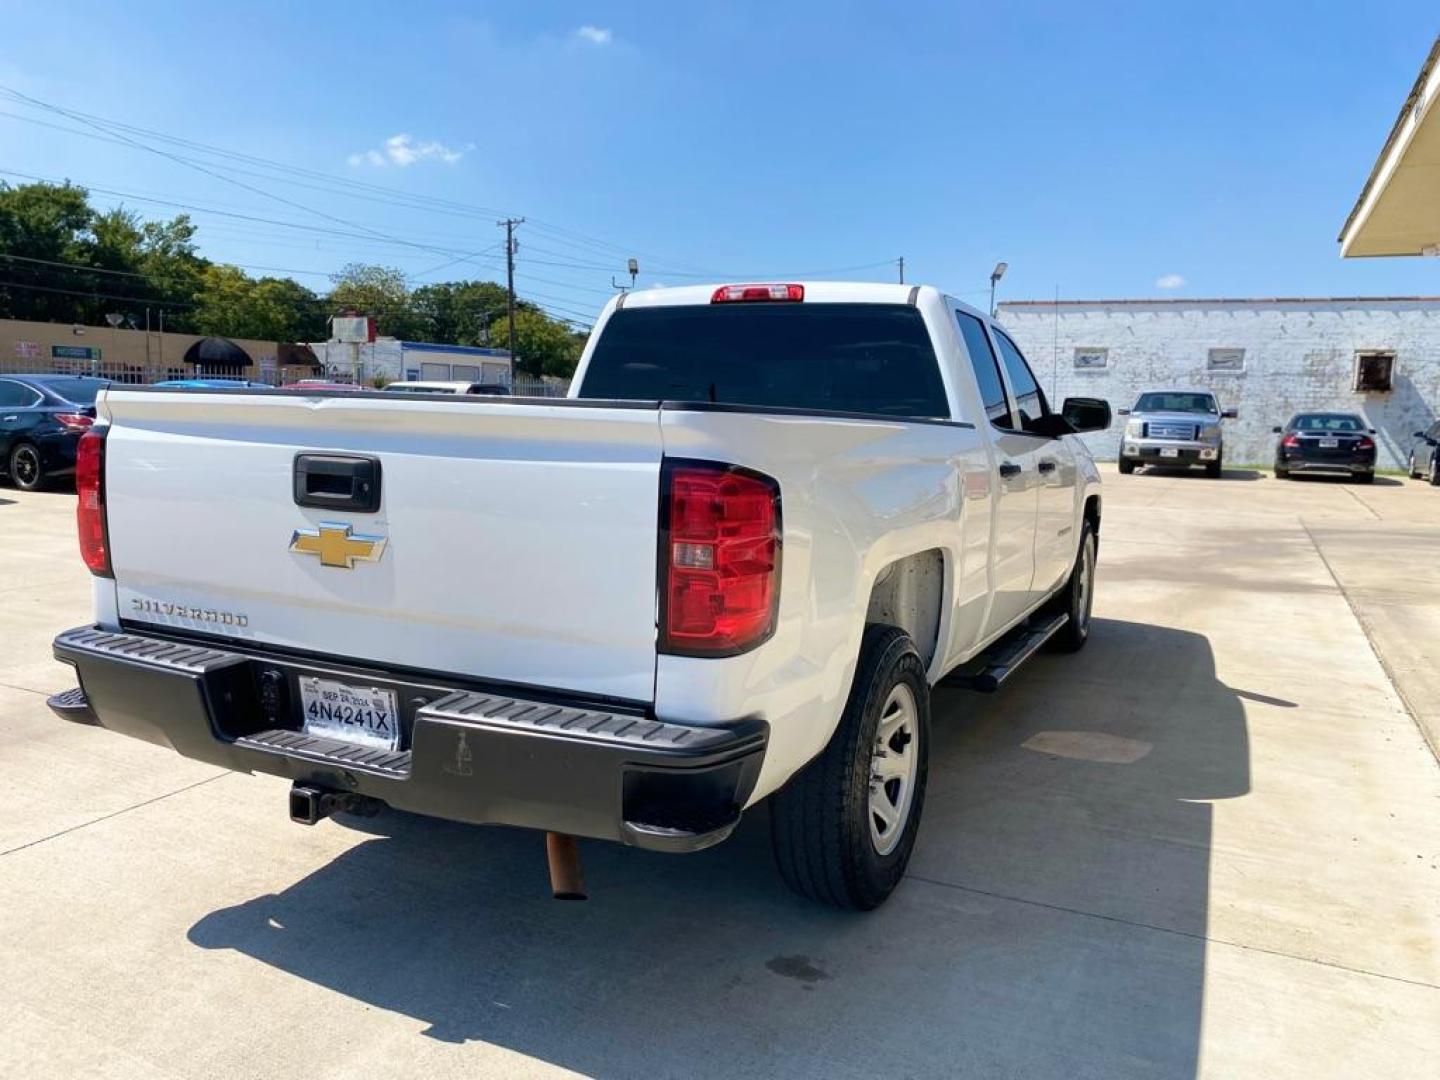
(402, 150)
(596, 35)
(1170, 281)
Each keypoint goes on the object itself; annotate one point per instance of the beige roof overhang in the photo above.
(1398, 212)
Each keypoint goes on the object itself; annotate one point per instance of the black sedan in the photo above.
(1326, 442)
(41, 420)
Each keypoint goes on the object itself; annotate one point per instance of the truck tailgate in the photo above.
(520, 539)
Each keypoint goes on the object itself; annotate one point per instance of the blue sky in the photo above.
(1110, 150)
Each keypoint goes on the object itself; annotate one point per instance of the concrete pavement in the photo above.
(1206, 845)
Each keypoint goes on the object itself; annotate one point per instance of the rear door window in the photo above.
(857, 358)
(1029, 398)
(17, 394)
(987, 370)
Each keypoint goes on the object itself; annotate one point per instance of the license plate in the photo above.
(1329, 444)
(1169, 451)
(365, 715)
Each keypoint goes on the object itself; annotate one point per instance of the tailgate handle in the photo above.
(337, 482)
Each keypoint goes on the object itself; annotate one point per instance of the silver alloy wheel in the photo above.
(894, 762)
(1087, 578)
(25, 467)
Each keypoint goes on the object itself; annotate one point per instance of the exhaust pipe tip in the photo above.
(563, 855)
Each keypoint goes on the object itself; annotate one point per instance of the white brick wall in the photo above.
(1299, 355)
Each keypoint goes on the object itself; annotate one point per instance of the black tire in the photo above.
(1434, 475)
(1410, 469)
(1126, 467)
(1213, 469)
(1365, 478)
(1281, 473)
(821, 823)
(1078, 596)
(26, 471)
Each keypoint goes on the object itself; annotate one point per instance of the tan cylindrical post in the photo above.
(563, 854)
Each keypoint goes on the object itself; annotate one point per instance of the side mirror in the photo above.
(1122, 412)
(1370, 431)
(1229, 414)
(1277, 430)
(1417, 434)
(1087, 414)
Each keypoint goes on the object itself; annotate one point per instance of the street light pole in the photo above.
(996, 275)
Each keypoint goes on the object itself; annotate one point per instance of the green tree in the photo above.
(543, 346)
(232, 304)
(459, 312)
(48, 222)
(381, 292)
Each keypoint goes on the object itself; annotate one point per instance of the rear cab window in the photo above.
(873, 359)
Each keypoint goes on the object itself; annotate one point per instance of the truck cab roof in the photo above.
(815, 292)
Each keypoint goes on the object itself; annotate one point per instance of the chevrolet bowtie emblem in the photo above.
(337, 546)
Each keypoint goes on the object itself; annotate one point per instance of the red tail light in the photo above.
(90, 511)
(75, 421)
(731, 294)
(1365, 443)
(721, 559)
(1291, 441)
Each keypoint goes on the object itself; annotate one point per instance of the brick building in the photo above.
(1377, 356)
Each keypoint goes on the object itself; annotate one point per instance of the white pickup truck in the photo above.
(730, 566)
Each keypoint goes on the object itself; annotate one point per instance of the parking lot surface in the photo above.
(1207, 845)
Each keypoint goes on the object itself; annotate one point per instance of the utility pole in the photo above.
(901, 262)
(509, 225)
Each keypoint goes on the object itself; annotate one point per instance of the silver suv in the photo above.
(1174, 428)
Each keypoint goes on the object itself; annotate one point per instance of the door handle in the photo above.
(3, 418)
(1047, 466)
(337, 482)
(1009, 469)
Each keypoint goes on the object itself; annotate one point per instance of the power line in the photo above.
(208, 171)
(287, 174)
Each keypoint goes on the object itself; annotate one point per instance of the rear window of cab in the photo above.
(854, 358)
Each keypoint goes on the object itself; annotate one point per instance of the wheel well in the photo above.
(908, 593)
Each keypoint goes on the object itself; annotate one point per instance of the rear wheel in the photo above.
(26, 472)
(1126, 467)
(1413, 472)
(1281, 473)
(844, 826)
(1213, 469)
(1434, 475)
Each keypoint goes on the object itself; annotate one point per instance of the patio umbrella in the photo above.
(217, 352)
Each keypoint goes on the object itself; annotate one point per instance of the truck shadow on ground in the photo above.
(1053, 923)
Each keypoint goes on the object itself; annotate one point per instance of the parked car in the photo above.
(1174, 428)
(41, 420)
(1326, 442)
(730, 566)
(454, 386)
(214, 384)
(1424, 459)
